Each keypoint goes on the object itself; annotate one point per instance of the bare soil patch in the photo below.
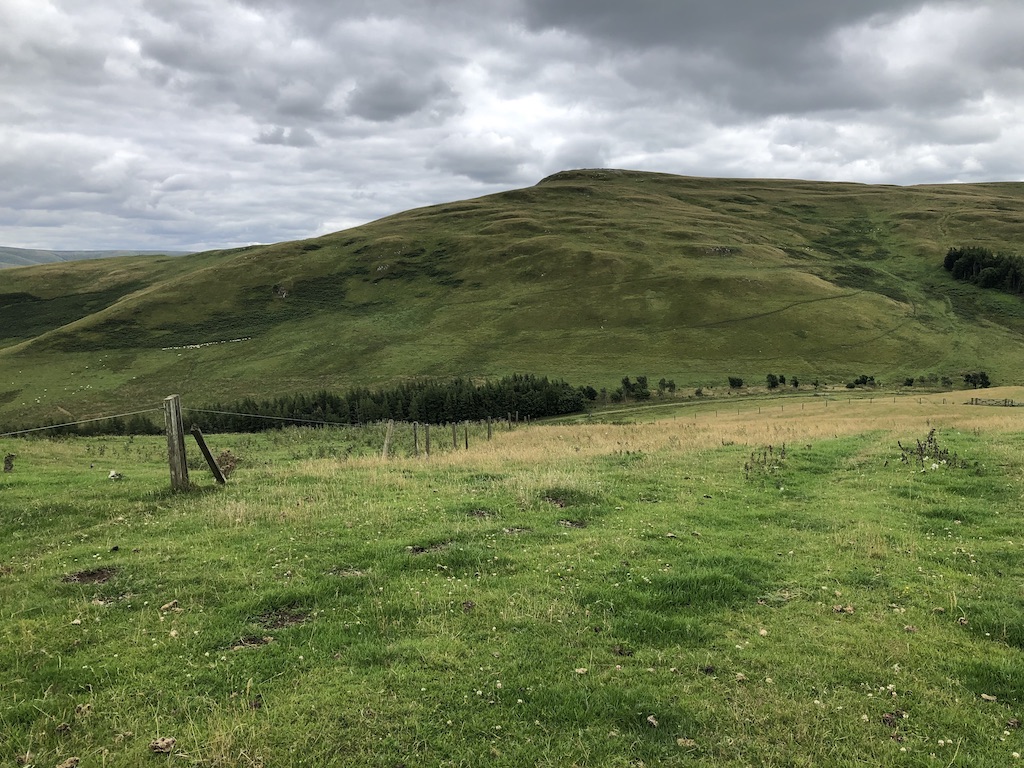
(91, 576)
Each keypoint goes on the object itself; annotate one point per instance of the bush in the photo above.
(735, 382)
(978, 380)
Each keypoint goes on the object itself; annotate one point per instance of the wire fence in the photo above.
(69, 424)
(261, 417)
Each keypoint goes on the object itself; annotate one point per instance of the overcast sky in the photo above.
(194, 124)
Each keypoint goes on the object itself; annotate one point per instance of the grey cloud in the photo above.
(389, 97)
(288, 137)
(582, 152)
(739, 27)
(488, 159)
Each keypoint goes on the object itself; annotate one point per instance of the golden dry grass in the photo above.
(752, 425)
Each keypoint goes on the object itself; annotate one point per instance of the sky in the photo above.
(199, 124)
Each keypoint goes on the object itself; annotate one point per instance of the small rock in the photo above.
(169, 606)
(988, 697)
(653, 721)
(163, 744)
(71, 762)
(114, 475)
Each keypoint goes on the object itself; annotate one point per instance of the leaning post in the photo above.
(175, 443)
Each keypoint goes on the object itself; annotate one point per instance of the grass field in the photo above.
(766, 584)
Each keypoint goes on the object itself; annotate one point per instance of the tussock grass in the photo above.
(589, 594)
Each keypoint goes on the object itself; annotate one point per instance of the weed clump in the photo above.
(929, 454)
(764, 463)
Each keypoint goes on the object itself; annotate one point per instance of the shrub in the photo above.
(977, 380)
(735, 382)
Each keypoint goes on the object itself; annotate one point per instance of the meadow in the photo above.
(785, 582)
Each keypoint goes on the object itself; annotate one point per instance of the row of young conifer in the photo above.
(520, 396)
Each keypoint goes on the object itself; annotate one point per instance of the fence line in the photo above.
(271, 418)
(76, 423)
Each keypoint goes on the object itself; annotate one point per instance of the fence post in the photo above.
(455, 435)
(175, 443)
(415, 439)
(387, 438)
(426, 437)
(466, 427)
(218, 474)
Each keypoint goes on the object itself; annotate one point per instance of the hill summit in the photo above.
(589, 275)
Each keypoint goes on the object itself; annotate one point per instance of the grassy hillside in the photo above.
(589, 275)
(27, 257)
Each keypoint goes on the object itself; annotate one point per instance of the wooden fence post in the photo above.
(175, 443)
(426, 438)
(466, 426)
(387, 438)
(455, 436)
(218, 475)
(415, 439)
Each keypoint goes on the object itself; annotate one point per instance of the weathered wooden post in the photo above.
(387, 438)
(455, 435)
(175, 443)
(415, 439)
(218, 475)
(466, 426)
(426, 438)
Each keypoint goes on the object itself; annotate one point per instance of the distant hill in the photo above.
(27, 257)
(590, 275)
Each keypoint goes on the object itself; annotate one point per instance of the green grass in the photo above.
(537, 600)
(587, 276)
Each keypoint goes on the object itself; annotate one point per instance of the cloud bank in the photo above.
(209, 123)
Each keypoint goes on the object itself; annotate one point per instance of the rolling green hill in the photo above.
(589, 275)
(27, 257)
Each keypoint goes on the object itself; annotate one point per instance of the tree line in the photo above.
(985, 269)
(436, 402)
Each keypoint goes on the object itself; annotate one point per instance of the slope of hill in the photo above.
(27, 257)
(589, 275)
